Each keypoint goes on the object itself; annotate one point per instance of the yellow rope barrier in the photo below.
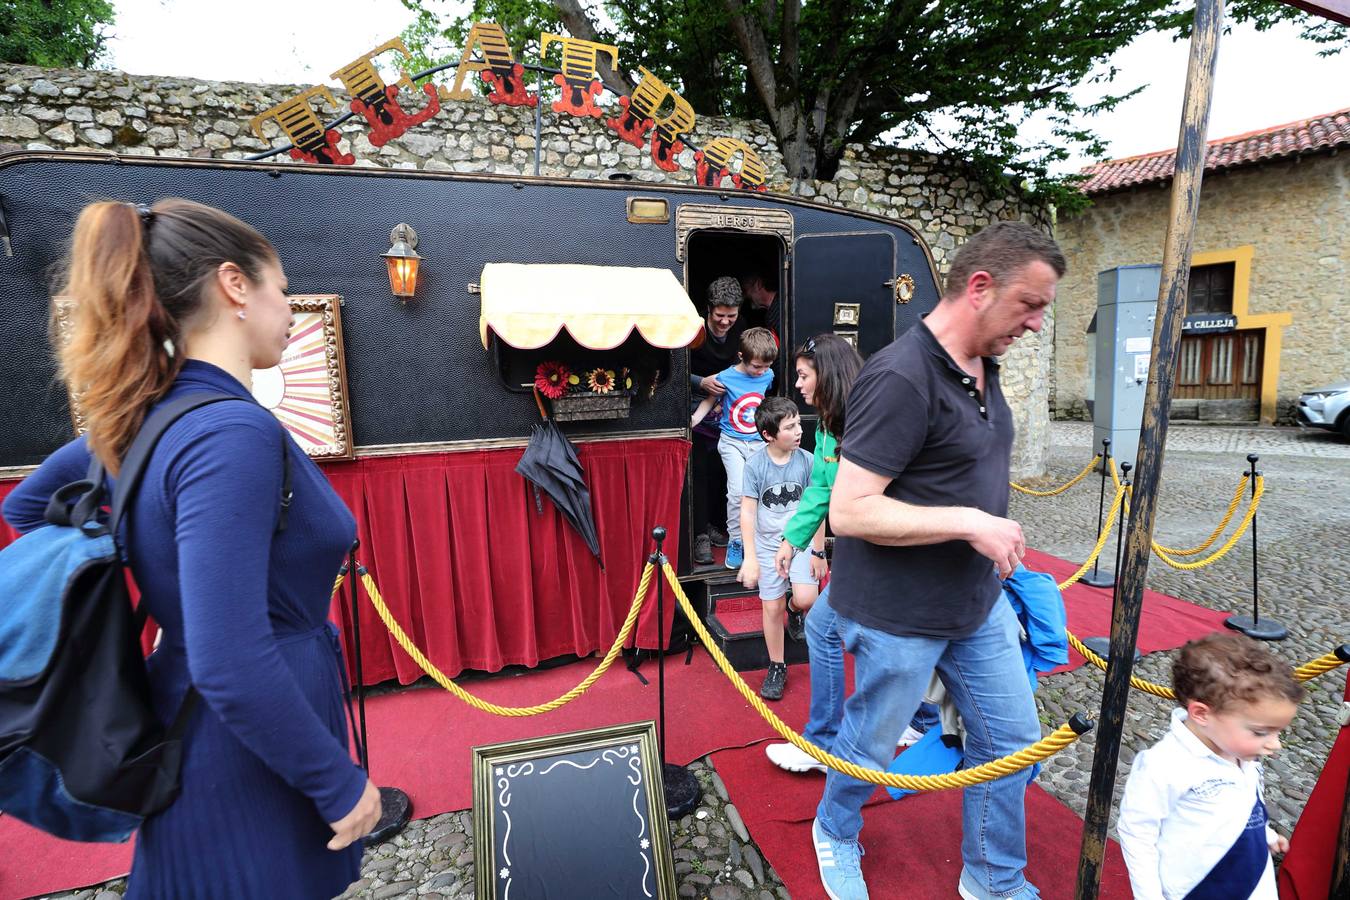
(1042, 749)
(1139, 684)
(1320, 666)
(1062, 488)
(373, 593)
(1227, 517)
(1306, 672)
(1228, 545)
(1163, 552)
(1101, 541)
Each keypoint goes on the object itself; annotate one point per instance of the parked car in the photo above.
(1327, 407)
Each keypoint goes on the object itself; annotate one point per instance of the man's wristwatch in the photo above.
(818, 554)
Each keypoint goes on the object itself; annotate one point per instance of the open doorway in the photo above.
(711, 254)
(749, 258)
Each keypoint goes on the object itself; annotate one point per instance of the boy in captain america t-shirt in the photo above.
(747, 383)
(1193, 822)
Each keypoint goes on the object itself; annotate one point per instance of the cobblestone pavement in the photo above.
(1304, 531)
(1304, 553)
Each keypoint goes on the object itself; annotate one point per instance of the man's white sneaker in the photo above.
(910, 737)
(787, 756)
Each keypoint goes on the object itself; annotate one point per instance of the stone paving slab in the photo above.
(1243, 439)
(1304, 532)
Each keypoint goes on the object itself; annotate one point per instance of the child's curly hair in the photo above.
(1224, 669)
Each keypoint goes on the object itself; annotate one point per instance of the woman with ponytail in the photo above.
(168, 301)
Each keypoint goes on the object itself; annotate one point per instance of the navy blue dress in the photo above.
(244, 616)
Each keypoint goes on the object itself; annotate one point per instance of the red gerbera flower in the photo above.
(550, 378)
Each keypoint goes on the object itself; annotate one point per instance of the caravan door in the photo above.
(844, 283)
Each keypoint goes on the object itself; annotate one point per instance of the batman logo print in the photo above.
(784, 494)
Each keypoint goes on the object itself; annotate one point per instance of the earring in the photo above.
(241, 315)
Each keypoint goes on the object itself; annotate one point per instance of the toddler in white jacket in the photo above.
(1193, 823)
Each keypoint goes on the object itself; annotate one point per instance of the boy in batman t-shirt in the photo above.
(775, 476)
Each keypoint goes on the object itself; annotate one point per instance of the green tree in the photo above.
(54, 33)
(964, 76)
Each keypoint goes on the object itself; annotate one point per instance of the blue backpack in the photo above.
(82, 754)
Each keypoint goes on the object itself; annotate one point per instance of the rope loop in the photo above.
(1063, 487)
(373, 593)
(1306, 672)
(1046, 747)
(1167, 554)
(1101, 540)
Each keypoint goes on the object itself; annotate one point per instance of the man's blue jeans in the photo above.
(986, 678)
(827, 677)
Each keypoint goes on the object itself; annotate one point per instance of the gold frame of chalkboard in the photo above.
(493, 762)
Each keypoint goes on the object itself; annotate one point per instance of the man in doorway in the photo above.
(920, 509)
(716, 353)
(760, 287)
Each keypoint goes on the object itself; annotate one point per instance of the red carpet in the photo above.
(913, 845)
(420, 740)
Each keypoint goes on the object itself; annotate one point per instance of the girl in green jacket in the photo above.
(826, 368)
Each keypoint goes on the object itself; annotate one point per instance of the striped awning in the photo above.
(599, 306)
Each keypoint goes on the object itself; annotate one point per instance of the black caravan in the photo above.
(433, 397)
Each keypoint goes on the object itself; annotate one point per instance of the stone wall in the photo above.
(49, 109)
(1295, 214)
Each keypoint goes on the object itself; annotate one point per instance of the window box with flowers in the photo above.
(596, 393)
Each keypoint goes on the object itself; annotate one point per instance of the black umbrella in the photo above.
(550, 464)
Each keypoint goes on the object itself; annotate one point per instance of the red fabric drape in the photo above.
(7, 534)
(1305, 873)
(479, 578)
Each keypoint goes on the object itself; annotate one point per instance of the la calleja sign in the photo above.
(654, 116)
(1209, 323)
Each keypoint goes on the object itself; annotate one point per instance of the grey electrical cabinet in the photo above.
(1127, 297)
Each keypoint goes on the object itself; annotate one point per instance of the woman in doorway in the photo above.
(826, 368)
(184, 299)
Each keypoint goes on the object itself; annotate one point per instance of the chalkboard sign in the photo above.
(579, 815)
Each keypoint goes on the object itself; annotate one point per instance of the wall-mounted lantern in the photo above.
(403, 260)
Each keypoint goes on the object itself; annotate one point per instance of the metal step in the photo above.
(736, 625)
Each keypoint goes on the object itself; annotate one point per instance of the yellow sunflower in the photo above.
(600, 381)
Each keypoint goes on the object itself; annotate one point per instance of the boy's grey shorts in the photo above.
(772, 586)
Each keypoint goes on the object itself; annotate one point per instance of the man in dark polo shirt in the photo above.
(920, 509)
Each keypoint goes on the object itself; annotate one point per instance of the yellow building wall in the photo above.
(1286, 227)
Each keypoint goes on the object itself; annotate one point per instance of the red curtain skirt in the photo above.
(480, 579)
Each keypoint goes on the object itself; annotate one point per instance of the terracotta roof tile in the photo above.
(1305, 136)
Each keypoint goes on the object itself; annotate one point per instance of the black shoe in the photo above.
(774, 682)
(717, 536)
(702, 552)
(796, 624)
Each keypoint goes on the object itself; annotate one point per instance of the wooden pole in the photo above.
(1176, 270)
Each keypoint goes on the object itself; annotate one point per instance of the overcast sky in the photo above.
(1263, 79)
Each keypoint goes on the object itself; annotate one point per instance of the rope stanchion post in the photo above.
(395, 804)
(681, 787)
(1254, 627)
(1097, 578)
(1102, 645)
(349, 569)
